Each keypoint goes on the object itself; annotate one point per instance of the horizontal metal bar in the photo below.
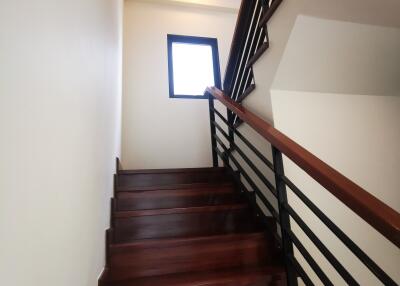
(248, 194)
(247, 142)
(321, 247)
(307, 256)
(303, 275)
(249, 180)
(259, 174)
(361, 255)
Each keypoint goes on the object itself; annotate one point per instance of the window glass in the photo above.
(192, 68)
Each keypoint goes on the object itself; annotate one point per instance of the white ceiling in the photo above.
(228, 5)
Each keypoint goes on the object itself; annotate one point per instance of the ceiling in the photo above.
(227, 5)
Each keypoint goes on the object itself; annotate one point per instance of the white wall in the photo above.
(59, 123)
(337, 94)
(382, 13)
(159, 132)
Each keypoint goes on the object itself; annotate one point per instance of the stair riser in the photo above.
(187, 258)
(251, 277)
(145, 180)
(174, 202)
(181, 225)
(179, 192)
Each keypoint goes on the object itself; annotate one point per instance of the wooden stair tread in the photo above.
(185, 223)
(159, 257)
(184, 190)
(181, 210)
(180, 198)
(255, 276)
(170, 242)
(142, 178)
(187, 186)
(173, 170)
(186, 227)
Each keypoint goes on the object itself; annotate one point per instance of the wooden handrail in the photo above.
(379, 215)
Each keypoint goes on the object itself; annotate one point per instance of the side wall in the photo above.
(159, 132)
(60, 93)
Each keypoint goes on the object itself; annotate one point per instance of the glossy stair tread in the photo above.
(254, 276)
(183, 222)
(173, 170)
(179, 186)
(178, 200)
(177, 190)
(166, 256)
(149, 178)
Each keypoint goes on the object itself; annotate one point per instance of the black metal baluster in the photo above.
(213, 131)
(287, 244)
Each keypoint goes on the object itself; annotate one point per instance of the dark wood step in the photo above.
(177, 191)
(254, 276)
(166, 256)
(178, 200)
(183, 222)
(174, 170)
(188, 186)
(149, 178)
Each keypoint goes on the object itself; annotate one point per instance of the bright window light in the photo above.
(193, 65)
(192, 68)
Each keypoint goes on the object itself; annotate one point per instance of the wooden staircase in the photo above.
(186, 227)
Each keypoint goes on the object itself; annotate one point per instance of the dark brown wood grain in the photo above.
(159, 257)
(187, 227)
(250, 276)
(141, 179)
(379, 215)
(179, 201)
(183, 224)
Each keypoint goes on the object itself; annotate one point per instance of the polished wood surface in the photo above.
(254, 276)
(137, 179)
(188, 255)
(197, 199)
(196, 228)
(379, 215)
(186, 224)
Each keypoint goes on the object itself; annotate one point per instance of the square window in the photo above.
(193, 65)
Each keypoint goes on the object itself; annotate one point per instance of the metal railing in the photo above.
(380, 216)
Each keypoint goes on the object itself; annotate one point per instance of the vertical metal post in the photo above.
(283, 215)
(231, 133)
(213, 131)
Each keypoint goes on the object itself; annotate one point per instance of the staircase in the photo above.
(187, 227)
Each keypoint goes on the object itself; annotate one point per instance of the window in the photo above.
(193, 65)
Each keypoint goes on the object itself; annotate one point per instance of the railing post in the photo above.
(287, 244)
(213, 130)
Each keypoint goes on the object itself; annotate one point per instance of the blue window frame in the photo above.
(193, 64)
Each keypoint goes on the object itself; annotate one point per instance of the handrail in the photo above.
(379, 215)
